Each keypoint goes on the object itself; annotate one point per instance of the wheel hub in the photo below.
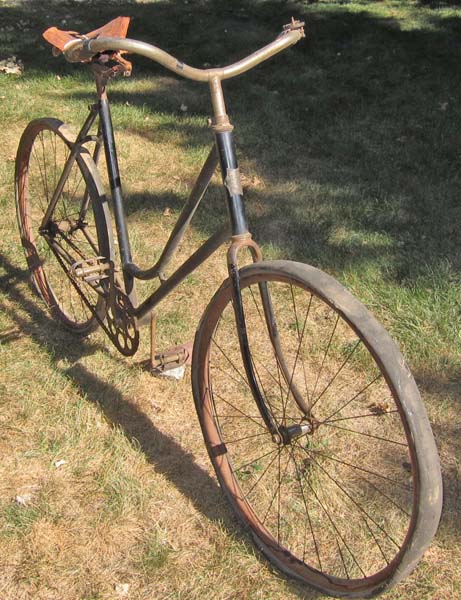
(287, 434)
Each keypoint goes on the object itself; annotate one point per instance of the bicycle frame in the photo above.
(222, 153)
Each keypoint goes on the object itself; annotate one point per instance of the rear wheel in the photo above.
(348, 495)
(76, 233)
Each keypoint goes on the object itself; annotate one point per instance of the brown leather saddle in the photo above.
(118, 27)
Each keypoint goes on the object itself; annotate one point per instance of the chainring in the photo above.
(121, 324)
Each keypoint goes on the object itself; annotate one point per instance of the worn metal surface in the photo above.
(183, 221)
(233, 182)
(82, 50)
(229, 172)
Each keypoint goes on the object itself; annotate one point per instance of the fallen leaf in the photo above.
(23, 499)
(12, 66)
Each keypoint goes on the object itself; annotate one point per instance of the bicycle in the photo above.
(310, 415)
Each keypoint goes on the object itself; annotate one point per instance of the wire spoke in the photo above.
(352, 466)
(311, 527)
(324, 358)
(335, 529)
(298, 332)
(349, 496)
(277, 491)
(299, 348)
(346, 360)
(359, 393)
(364, 416)
(255, 484)
(238, 410)
(230, 362)
(278, 381)
(370, 435)
(247, 437)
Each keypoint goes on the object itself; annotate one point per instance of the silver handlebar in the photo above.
(84, 49)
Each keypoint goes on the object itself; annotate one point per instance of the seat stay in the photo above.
(75, 149)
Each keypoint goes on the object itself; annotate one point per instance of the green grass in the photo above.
(17, 519)
(155, 554)
(349, 148)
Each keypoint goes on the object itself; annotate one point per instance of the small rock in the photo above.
(122, 589)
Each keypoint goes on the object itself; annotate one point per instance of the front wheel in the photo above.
(348, 496)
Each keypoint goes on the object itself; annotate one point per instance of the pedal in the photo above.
(91, 270)
(171, 359)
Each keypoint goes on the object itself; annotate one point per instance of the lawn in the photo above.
(349, 148)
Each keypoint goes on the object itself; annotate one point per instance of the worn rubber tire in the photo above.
(427, 492)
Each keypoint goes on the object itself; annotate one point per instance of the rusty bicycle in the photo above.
(310, 415)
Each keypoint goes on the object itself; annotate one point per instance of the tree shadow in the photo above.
(356, 103)
(363, 153)
(439, 3)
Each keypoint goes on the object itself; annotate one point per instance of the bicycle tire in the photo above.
(350, 506)
(78, 235)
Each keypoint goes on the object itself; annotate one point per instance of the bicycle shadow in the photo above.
(163, 452)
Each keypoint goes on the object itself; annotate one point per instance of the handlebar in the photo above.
(84, 49)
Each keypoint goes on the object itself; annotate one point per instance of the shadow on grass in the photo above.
(119, 410)
(165, 454)
(354, 131)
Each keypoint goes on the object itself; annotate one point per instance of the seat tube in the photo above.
(116, 188)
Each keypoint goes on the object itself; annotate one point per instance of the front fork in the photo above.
(241, 238)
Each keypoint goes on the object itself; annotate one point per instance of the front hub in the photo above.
(293, 432)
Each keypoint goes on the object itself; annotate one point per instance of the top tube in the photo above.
(84, 49)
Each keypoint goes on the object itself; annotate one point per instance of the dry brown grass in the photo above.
(136, 502)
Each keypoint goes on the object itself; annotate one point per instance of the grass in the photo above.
(348, 144)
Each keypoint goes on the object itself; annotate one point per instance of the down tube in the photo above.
(199, 256)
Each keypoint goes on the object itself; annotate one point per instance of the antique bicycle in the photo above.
(311, 418)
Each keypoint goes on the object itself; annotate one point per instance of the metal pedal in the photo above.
(169, 360)
(172, 358)
(91, 270)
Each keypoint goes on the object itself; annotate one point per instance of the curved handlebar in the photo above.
(84, 49)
